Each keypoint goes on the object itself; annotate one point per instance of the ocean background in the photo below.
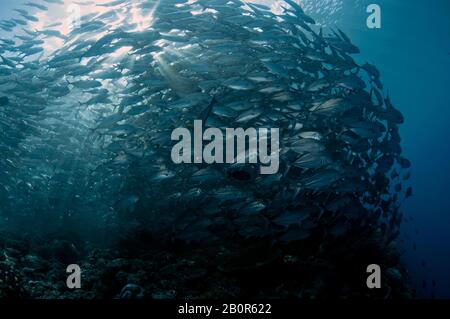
(412, 52)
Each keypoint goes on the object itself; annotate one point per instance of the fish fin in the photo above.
(207, 112)
(344, 36)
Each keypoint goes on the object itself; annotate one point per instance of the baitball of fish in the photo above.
(90, 144)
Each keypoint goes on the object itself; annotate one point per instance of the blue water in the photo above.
(412, 51)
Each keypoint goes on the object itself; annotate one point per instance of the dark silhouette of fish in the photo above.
(4, 101)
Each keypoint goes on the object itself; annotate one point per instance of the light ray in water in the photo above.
(143, 22)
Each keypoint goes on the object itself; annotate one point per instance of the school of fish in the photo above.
(85, 129)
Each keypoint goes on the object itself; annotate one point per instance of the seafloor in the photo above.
(140, 267)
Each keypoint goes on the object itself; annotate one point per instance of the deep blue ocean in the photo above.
(412, 52)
